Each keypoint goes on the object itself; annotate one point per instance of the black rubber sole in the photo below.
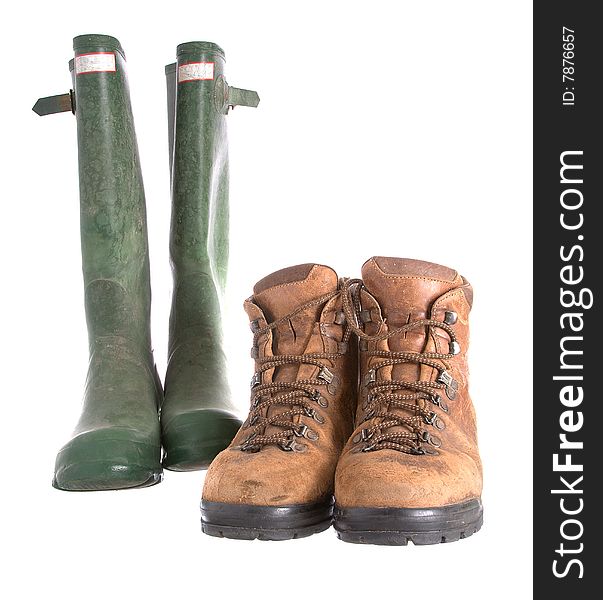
(398, 526)
(276, 523)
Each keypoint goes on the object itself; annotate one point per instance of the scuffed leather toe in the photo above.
(264, 478)
(390, 479)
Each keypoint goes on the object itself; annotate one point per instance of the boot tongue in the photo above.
(406, 289)
(283, 292)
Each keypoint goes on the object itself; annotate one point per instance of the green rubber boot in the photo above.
(197, 416)
(116, 443)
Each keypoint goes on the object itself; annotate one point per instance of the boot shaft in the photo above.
(115, 257)
(199, 228)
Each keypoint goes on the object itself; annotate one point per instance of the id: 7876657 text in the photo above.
(568, 66)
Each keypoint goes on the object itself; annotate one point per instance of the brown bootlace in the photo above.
(300, 396)
(385, 395)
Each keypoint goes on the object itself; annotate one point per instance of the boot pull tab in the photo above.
(240, 97)
(228, 97)
(51, 105)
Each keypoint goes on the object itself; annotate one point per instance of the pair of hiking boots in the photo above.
(130, 428)
(360, 410)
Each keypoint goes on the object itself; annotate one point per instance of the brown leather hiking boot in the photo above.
(411, 469)
(275, 480)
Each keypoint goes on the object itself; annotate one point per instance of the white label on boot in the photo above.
(95, 62)
(195, 71)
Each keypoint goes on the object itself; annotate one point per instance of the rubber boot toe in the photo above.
(192, 439)
(107, 459)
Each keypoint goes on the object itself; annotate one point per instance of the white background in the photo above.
(391, 128)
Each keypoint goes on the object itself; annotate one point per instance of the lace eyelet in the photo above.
(434, 420)
(438, 401)
(319, 399)
(305, 431)
(450, 317)
(454, 348)
(310, 412)
(339, 318)
(362, 436)
(430, 419)
(246, 446)
(429, 451)
(370, 376)
(292, 446)
(326, 375)
(451, 385)
(431, 439)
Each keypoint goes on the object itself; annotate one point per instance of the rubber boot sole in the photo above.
(106, 478)
(398, 526)
(276, 523)
(95, 462)
(193, 439)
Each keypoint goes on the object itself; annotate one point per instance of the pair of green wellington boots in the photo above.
(126, 417)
